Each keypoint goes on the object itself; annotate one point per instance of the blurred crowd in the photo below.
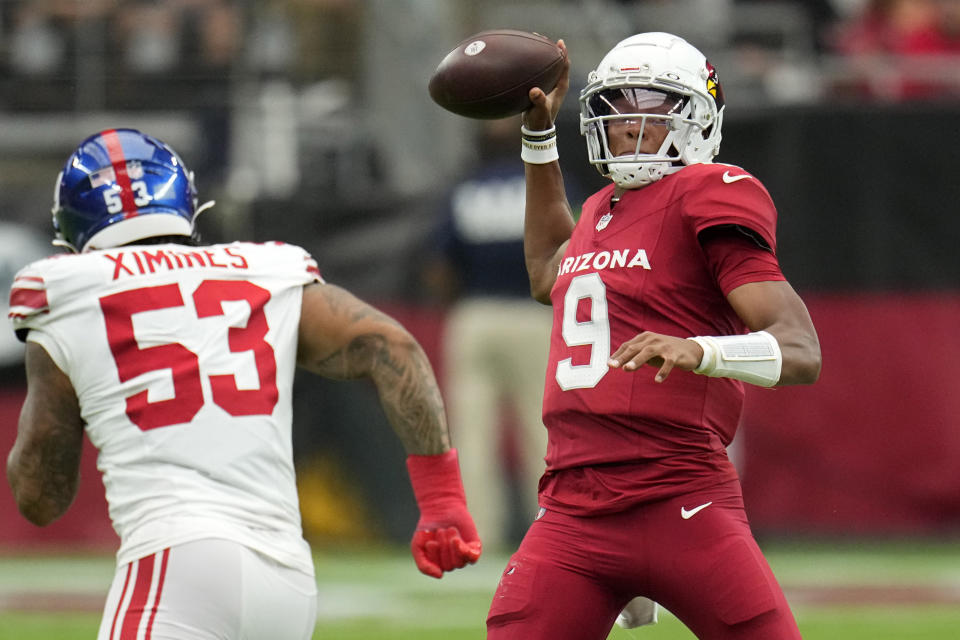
(173, 37)
(311, 39)
(148, 37)
(900, 27)
(901, 49)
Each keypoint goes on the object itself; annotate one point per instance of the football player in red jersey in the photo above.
(673, 266)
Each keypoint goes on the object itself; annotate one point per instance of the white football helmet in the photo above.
(655, 78)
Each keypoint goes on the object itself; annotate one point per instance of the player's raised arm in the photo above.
(549, 221)
(342, 337)
(43, 467)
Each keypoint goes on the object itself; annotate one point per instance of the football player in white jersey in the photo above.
(177, 359)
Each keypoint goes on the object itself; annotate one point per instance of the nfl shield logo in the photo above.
(604, 221)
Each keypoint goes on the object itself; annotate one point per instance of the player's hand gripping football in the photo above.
(546, 106)
(657, 350)
(446, 537)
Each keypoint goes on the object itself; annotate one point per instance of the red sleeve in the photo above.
(737, 259)
(723, 194)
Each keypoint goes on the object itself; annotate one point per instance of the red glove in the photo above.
(446, 538)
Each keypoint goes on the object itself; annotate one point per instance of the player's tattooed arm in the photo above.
(43, 466)
(342, 338)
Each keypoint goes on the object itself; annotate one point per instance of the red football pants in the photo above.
(572, 575)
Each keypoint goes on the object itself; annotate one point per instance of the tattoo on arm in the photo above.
(384, 351)
(408, 391)
(45, 475)
(43, 467)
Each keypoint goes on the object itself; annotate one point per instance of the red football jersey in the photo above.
(617, 437)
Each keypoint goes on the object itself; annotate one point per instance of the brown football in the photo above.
(489, 75)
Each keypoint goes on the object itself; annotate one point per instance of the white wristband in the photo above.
(538, 147)
(754, 358)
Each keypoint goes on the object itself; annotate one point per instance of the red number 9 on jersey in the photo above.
(132, 361)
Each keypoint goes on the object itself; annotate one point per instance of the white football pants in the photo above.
(209, 589)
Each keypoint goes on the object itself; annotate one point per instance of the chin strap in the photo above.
(60, 242)
(633, 175)
(206, 205)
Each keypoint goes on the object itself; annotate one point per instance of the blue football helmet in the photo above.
(119, 186)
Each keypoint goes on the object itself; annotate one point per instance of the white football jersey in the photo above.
(183, 361)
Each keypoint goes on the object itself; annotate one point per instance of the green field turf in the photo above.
(879, 592)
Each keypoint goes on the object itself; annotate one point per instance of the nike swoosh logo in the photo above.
(686, 514)
(729, 179)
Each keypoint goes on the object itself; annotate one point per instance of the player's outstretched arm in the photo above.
(549, 221)
(43, 467)
(342, 337)
(776, 308)
(772, 310)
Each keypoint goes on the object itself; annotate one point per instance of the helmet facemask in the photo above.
(651, 80)
(643, 112)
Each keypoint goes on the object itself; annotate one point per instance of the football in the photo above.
(489, 75)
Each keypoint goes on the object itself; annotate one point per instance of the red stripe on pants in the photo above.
(156, 599)
(131, 620)
(116, 614)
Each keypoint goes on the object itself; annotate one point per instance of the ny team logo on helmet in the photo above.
(119, 186)
(657, 78)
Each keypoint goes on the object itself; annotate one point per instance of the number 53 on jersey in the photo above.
(182, 363)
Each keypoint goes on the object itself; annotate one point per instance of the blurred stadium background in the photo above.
(309, 121)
